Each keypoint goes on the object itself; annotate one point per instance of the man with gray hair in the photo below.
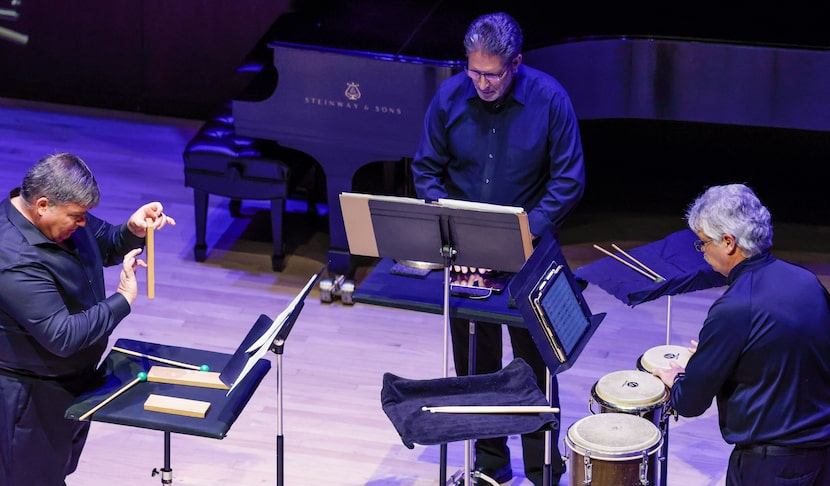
(55, 314)
(763, 351)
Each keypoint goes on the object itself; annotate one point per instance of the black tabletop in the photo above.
(128, 407)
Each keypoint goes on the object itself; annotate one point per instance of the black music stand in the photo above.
(484, 236)
(264, 336)
(576, 319)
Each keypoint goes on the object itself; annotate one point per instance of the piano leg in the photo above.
(278, 256)
(200, 202)
(339, 258)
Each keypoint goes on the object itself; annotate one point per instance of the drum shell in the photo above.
(611, 469)
(656, 412)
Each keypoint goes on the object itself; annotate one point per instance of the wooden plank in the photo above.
(176, 406)
(178, 376)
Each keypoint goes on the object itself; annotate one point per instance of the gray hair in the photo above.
(62, 179)
(732, 209)
(495, 34)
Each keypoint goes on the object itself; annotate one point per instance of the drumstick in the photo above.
(659, 277)
(491, 409)
(162, 360)
(151, 260)
(142, 376)
(615, 257)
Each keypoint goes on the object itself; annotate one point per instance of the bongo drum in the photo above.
(659, 357)
(631, 391)
(612, 449)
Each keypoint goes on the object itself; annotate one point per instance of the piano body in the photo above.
(354, 77)
(353, 83)
(345, 109)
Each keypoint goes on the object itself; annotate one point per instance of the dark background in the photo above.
(181, 58)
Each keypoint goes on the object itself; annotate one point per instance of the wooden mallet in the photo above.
(151, 260)
(142, 376)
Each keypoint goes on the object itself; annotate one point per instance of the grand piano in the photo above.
(350, 81)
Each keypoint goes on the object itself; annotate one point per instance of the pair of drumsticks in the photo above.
(141, 376)
(637, 265)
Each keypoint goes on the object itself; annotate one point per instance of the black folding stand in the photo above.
(548, 254)
(467, 237)
(269, 335)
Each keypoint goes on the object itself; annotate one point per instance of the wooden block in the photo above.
(176, 406)
(179, 376)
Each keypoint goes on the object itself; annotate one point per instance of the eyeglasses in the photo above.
(700, 245)
(490, 77)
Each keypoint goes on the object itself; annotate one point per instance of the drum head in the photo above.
(631, 388)
(613, 436)
(659, 357)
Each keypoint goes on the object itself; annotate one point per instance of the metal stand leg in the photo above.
(448, 253)
(166, 472)
(547, 478)
(664, 453)
(469, 456)
(277, 348)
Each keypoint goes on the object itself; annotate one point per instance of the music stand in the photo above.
(461, 233)
(559, 342)
(268, 335)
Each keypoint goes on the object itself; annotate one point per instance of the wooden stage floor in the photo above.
(334, 429)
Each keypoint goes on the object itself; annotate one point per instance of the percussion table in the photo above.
(128, 407)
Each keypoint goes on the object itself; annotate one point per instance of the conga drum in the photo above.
(612, 449)
(631, 391)
(659, 357)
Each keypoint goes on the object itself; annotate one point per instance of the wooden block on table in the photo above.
(176, 406)
(179, 376)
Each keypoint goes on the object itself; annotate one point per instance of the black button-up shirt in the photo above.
(55, 316)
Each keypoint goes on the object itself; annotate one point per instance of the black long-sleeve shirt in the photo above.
(764, 352)
(55, 316)
(527, 154)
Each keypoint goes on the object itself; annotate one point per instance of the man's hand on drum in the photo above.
(668, 375)
(693, 347)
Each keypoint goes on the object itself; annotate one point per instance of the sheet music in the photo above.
(478, 206)
(263, 343)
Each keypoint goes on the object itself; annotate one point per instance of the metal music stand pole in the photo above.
(277, 347)
(447, 253)
(547, 474)
(166, 472)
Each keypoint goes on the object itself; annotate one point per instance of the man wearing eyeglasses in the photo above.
(763, 351)
(503, 133)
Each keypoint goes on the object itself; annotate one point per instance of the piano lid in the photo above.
(434, 29)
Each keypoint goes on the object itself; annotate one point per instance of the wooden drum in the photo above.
(613, 449)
